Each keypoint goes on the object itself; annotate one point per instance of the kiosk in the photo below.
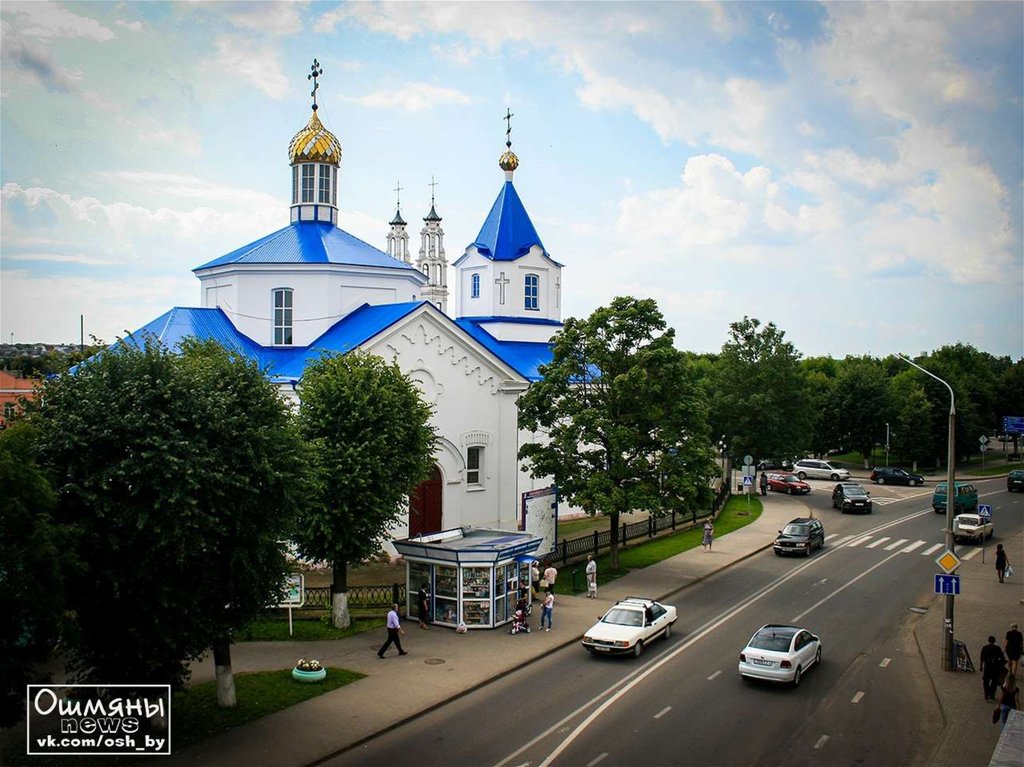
(473, 576)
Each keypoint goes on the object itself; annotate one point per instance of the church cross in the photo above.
(315, 71)
(508, 127)
(501, 282)
(398, 192)
(432, 184)
(558, 292)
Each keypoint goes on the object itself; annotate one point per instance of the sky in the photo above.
(852, 172)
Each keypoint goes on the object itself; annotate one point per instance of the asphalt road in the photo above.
(682, 702)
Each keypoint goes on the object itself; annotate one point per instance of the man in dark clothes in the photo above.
(1014, 648)
(993, 663)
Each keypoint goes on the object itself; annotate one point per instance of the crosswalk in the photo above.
(903, 545)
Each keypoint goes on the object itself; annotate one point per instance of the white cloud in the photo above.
(270, 18)
(36, 60)
(75, 258)
(50, 21)
(235, 54)
(457, 53)
(134, 26)
(414, 97)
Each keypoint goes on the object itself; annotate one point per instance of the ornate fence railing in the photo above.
(359, 597)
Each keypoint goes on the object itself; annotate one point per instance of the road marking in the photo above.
(662, 713)
(860, 540)
(597, 759)
(879, 542)
(844, 539)
(898, 543)
(821, 741)
(931, 549)
(912, 547)
(715, 675)
(856, 698)
(830, 536)
(845, 586)
(970, 554)
(885, 662)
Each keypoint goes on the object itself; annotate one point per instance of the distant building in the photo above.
(13, 389)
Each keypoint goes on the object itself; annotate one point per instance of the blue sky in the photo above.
(852, 172)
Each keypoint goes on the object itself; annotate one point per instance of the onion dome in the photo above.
(508, 161)
(314, 143)
(398, 220)
(432, 215)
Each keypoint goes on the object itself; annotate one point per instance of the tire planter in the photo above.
(308, 677)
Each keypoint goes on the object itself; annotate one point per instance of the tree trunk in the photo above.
(339, 597)
(222, 668)
(613, 548)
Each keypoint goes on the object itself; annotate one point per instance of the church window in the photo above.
(325, 184)
(295, 184)
(474, 289)
(308, 179)
(474, 456)
(283, 316)
(334, 186)
(532, 290)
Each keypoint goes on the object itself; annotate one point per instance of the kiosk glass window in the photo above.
(419, 573)
(446, 595)
(503, 600)
(476, 596)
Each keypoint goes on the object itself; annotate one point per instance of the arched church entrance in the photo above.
(425, 506)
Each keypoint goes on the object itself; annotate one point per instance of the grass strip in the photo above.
(276, 629)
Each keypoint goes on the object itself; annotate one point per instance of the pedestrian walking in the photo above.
(423, 607)
(394, 629)
(1001, 561)
(591, 577)
(764, 483)
(1014, 647)
(1009, 699)
(547, 583)
(546, 609)
(534, 581)
(993, 666)
(709, 535)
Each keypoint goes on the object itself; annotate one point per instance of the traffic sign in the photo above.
(983, 447)
(748, 481)
(1013, 424)
(747, 460)
(948, 561)
(983, 439)
(947, 584)
(985, 511)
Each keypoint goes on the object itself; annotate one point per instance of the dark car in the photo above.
(889, 475)
(800, 536)
(1015, 480)
(787, 483)
(849, 496)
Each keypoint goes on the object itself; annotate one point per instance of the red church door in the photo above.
(425, 506)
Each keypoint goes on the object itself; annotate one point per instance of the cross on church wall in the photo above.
(501, 282)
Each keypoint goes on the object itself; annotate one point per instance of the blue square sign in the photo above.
(947, 584)
(985, 510)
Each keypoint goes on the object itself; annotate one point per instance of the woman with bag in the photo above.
(1002, 563)
(1009, 698)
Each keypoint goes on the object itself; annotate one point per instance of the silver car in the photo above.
(779, 653)
(815, 469)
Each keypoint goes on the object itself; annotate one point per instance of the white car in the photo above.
(628, 626)
(971, 527)
(780, 654)
(810, 467)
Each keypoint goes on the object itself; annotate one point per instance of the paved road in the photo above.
(682, 702)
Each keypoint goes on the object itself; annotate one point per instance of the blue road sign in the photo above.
(1013, 424)
(748, 481)
(985, 511)
(947, 584)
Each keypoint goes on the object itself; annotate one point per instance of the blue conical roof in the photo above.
(507, 232)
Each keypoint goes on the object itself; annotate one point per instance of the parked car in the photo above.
(810, 467)
(800, 536)
(774, 463)
(628, 625)
(849, 496)
(1015, 480)
(787, 483)
(780, 654)
(890, 475)
(971, 527)
(966, 498)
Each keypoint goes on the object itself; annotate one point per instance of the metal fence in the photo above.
(359, 597)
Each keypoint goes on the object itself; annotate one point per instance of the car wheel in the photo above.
(778, 553)
(817, 657)
(638, 648)
(796, 676)
(791, 491)
(918, 482)
(880, 480)
(807, 552)
(802, 475)
(668, 631)
(834, 477)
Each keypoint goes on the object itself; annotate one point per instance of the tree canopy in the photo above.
(620, 415)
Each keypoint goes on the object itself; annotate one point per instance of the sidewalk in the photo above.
(442, 665)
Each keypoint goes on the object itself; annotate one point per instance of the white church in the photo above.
(311, 288)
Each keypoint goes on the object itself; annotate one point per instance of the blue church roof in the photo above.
(311, 242)
(507, 232)
(524, 356)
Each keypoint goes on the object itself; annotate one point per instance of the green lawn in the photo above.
(734, 516)
(305, 630)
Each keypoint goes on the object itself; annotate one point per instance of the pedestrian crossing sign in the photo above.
(948, 561)
(984, 511)
(748, 481)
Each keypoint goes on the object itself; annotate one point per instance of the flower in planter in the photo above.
(308, 665)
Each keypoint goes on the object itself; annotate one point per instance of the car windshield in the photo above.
(968, 520)
(858, 492)
(795, 530)
(791, 478)
(771, 641)
(1017, 473)
(623, 617)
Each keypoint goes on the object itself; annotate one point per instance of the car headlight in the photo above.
(588, 638)
(621, 643)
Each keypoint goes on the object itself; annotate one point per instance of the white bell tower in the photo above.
(431, 260)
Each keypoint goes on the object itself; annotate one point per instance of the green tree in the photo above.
(911, 416)
(622, 416)
(31, 598)
(821, 373)
(177, 474)
(760, 397)
(858, 405)
(372, 444)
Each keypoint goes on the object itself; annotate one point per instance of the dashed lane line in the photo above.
(885, 662)
(597, 760)
(715, 675)
(821, 741)
(879, 542)
(662, 713)
(856, 698)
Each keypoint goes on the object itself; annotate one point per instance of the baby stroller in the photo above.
(519, 622)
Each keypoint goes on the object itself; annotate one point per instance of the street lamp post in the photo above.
(887, 443)
(948, 654)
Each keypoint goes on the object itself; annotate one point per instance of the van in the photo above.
(966, 498)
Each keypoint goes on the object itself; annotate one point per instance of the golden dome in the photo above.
(508, 161)
(314, 143)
